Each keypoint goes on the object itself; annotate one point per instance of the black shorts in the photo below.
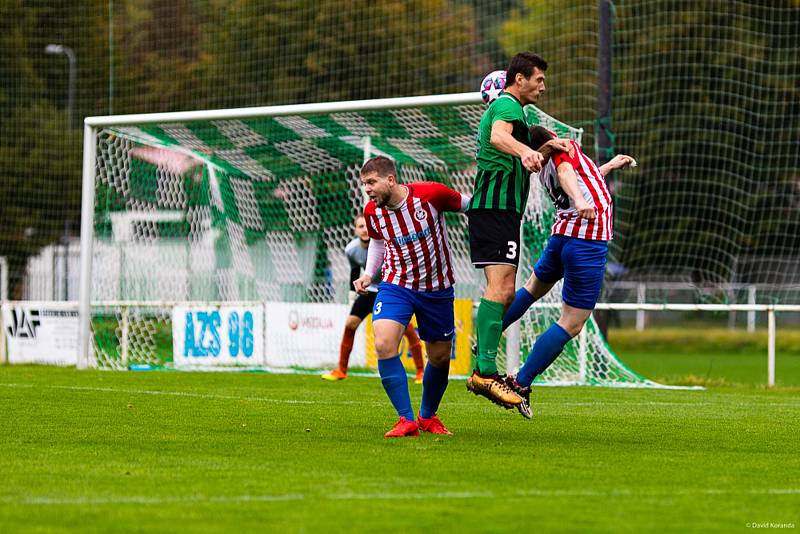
(363, 304)
(494, 237)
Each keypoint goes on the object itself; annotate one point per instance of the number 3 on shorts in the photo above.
(378, 306)
(512, 250)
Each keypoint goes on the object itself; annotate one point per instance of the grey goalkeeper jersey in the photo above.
(357, 256)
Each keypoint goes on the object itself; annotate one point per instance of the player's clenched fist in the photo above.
(532, 160)
(585, 210)
(361, 284)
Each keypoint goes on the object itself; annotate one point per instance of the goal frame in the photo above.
(93, 125)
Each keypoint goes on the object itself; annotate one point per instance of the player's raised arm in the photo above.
(620, 161)
(504, 141)
(556, 145)
(547, 144)
(569, 183)
(444, 198)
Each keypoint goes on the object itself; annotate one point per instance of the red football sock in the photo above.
(346, 348)
(415, 346)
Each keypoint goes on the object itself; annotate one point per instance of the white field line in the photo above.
(383, 496)
(647, 384)
(169, 394)
(215, 396)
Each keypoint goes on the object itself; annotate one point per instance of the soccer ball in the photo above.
(492, 85)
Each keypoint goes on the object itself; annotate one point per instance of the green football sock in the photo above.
(490, 327)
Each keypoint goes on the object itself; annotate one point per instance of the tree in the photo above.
(307, 51)
(167, 55)
(564, 33)
(707, 100)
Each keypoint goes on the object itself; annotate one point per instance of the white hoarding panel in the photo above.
(308, 335)
(218, 336)
(41, 332)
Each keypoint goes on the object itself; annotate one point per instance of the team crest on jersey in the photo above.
(420, 214)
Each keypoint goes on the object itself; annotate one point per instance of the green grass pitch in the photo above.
(217, 452)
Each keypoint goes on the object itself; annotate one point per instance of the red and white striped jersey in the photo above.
(417, 252)
(593, 187)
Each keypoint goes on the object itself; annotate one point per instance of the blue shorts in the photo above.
(580, 262)
(434, 310)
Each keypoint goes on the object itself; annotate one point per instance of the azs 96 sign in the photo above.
(218, 336)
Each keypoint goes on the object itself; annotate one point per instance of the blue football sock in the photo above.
(395, 382)
(546, 349)
(434, 383)
(522, 301)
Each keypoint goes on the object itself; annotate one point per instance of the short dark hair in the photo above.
(379, 164)
(539, 136)
(524, 62)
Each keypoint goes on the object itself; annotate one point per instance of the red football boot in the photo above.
(403, 428)
(433, 425)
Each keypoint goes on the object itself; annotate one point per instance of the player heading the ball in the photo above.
(505, 161)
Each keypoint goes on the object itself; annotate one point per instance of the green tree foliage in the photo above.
(564, 33)
(168, 55)
(215, 54)
(491, 17)
(715, 120)
(158, 53)
(706, 98)
(307, 51)
(699, 87)
(39, 153)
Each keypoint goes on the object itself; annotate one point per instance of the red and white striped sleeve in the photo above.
(440, 196)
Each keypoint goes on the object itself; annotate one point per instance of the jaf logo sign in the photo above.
(229, 335)
(24, 323)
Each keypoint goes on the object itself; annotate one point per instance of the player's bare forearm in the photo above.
(569, 181)
(503, 141)
(555, 146)
(619, 161)
(547, 152)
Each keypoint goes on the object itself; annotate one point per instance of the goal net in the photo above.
(237, 208)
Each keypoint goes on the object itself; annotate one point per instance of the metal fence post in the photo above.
(751, 315)
(641, 292)
(771, 347)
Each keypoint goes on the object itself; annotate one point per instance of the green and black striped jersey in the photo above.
(502, 183)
